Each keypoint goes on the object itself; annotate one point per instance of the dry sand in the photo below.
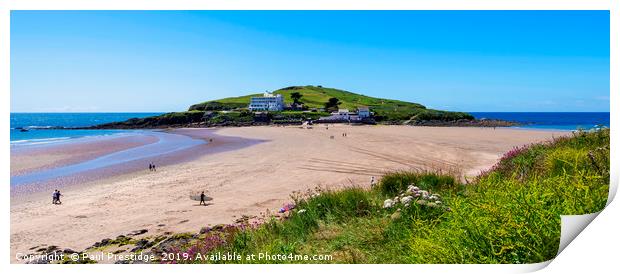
(251, 179)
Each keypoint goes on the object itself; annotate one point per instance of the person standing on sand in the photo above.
(150, 167)
(372, 181)
(54, 196)
(57, 197)
(202, 198)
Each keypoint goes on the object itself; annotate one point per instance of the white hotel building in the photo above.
(269, 102)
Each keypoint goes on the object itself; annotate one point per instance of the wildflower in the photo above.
(389, 203)
(406, 200)
(412, 189)
(301, 211)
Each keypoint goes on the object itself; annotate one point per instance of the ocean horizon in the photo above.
(550, 120)
(39, 124)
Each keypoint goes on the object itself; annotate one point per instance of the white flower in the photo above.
(406, 200)
(301, 211)
(388, 203)
(412, 189)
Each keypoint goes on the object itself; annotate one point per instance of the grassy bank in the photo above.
(508, 214)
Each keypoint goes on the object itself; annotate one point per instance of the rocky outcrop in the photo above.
(461, 123)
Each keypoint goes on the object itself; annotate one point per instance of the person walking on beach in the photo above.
(54, 196)
(150, 167)
(202, 198)
(372, 181)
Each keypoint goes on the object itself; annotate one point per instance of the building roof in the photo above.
(363, 108)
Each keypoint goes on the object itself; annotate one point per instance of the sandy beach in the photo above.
(43, 157)
(246, 170)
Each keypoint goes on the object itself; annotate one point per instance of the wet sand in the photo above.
(86, 161)
(248, 170)
(25, 159)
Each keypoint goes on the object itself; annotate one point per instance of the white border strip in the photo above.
(577, 256)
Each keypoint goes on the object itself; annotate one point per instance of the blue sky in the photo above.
(141, 61)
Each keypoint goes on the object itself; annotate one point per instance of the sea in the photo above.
(550, 120)
(38, 124)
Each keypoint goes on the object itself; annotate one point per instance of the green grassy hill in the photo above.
(316, 96)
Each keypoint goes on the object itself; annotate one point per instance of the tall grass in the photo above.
(509, 214)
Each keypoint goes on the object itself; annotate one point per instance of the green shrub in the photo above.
(393, 183)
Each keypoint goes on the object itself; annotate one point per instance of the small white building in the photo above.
(342, 113)
(269, 102)
(363, 112)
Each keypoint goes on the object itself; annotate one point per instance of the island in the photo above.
(305, 104)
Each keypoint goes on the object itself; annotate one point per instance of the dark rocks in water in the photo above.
(173, 119)
(462, 123)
